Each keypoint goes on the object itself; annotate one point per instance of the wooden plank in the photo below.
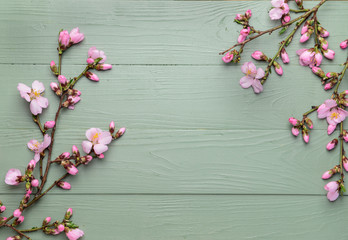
(194, 217)
(189, 161)
(146, 32)
(169, 97)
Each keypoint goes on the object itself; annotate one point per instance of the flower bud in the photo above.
(304, 28)
(112, 127)
(76, 36)
(278, 69)
(90, 60)
(345, 135)
(332, 196)
(227, 58)
(344, 44)
(69, 167)
(75, 150)
(345, 162)
(305, 135)
(35, 183)
(295, 131)
(309, 122)
(293, 121)
(329, 54)
(120, 132)
(60, 227)
(305, 36)
(68, 214)
(318, 71)
(331, 145)
(64, 185)
(2, 209)
(239, 17)
(331, 74)
(46, 221)
(54, 86)
(100, 156)
(327, 175)
(17, 213)
(258, 55)
(331, 186)
(323, 32)
(285, 56)
(64, 39)
(49, 124)
(323, 43)
(107, 66)
(62, 80)
(54, 68)
(92, 76)
(286, 18)
(248, 14)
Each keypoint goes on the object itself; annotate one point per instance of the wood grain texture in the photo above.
(196, 217)
(202, 158)
(146, 32)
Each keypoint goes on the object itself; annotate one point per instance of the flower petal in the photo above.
(38, 86)
(245, 68)
(91, 132)
(35, 107)
(105, 138)
(275, 13)
(33, 144)
(246, 81)
(260, 73)
(43, 102)
(257, 86)
(46, 142)
(87, 146)
(277, 3)
(100, 148)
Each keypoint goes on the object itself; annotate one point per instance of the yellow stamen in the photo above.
(334, 115)
(95, 136)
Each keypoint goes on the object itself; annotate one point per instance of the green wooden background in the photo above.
(202, 159)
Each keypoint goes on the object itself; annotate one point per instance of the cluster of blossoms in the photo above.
(95, 147)
(281, 11)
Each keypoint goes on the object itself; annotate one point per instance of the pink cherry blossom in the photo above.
(94, 53)
(327, 174)
(331, 186)
(17, 213)
(64, 38)
(49, 124)
(331, 129)
(295, 131)
(13, 176)
(331, 145)
(60, 228)
(329, 54)
(74, 234)
(293, 121)
(252, 77)
(64, 185)
(62, 80)
(336, 115)
(284, 55)
(34, 96)
(243, 34)
(324, 109)
(279, 9)
(2, 209)
(35, 183)
(76, 36)
(92, 76)
(105, 67)
(308, 57)
(38, 147)
(98, 141)
(227, 58)
(258, 55)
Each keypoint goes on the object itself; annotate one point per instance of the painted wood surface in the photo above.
(202, 158)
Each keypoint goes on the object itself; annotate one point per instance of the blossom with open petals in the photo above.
(279, 9)
(252, 77)
(38, 147)
(309, 57)
(94, 53)
(324, 109)
(34, 96)
(98, 141)
(76, 36)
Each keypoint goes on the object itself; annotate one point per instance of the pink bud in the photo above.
(89, 158)
(31, 164)
(306, 138)
(76, 36)
(48, 219)
(295, 131)
(330, 129)
(331, 75)
(90, 60)
(72, 170)
(304, 38)
(304, 29)
(17, 213)
(227, 58)
(75, 150)
(64, 38)
(92, 76)
(241, 38)
(60, 228)
(104, 66)
(239, 17)
(327, 175)
(112, 127)
(20, 219)
(345, 136)
(35, 183)
(257, 55)
(52, 64)
(278, 69)
(324, 33)
(286, 19)
(248, 13)
(62, 79)
(331, 186)
(245, 31)
(328, 86)
(293, 121)
(285, 56)
(54, 86)
(331, 145)
(345, 165)
(68, 214)
(101, 156)
(344, 44)
(50, 124)
(64, 185)
(332, 196)
(318, 58)
(318, 71)
(2, 209)
(329, 54)
(121, 131)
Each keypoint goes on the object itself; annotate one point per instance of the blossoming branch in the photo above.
(94, 147)
(280, 10)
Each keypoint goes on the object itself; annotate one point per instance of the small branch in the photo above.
(314, 108)
(341, 151)
(16, 230)
(299, 11)
(341, 77)
(36, 120)
(60, 62)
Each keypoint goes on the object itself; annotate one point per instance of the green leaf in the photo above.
(237, 21)
(343, 189)
(282, 31)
